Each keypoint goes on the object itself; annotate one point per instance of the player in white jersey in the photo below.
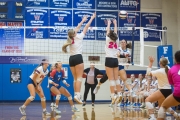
(34, 86)
(74, 41)
(163, 86)
(111, 61)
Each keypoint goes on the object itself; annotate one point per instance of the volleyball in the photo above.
(123, 14)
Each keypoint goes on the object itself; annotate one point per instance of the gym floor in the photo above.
(102, 111)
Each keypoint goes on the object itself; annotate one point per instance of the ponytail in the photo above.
(68, 42)
(129, 45)
(166, 69)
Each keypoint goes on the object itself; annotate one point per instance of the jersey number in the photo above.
(112, 45)
(42, 76)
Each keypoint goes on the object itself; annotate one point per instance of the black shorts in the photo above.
(166, 92)
(177, 98)
(111, 62)
(75, 60)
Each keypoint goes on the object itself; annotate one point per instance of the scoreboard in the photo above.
(12, 9)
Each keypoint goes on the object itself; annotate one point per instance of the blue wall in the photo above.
(19, 92)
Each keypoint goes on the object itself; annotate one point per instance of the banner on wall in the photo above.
(37, 3)
(101, 21)
(61, 3)
(129, 5)
(84, 4)
(107, 4)
(154, 21)
(60, 19)
(167, 52)
(37, 17)
(12, 40)
(132, 20)
(15, 75)
(22, 59)
(78, 16)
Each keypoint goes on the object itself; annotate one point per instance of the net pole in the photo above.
(141, 46)
(132, 51)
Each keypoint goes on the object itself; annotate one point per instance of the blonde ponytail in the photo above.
(67, 43)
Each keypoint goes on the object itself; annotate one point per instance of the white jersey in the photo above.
(161, 76)
(154, 83)
(111, 47)
(123, 52)
(136, 83)
(76, 46)
(142, 83)
(41, 74)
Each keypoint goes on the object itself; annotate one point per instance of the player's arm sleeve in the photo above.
(52, 74)
(170, 77)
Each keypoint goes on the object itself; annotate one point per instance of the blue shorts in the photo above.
(58, 87)
(121, 67)
(30, 81)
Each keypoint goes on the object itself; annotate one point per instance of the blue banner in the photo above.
(84, 4)
(21, 59)
(60, 19)
(37, 17)
(37, 3)
(107, 4)
(153, 21)
(78, 15)
(61, 3)
(132, 20)
(167, 52)
(101, 21)
(12, 40)
(129, 5)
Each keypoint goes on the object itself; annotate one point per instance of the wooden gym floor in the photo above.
(102, 111)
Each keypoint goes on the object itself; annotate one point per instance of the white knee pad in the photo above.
(117, 82)
(112, 82)
(149, 105)
(43, 99)
(58, 97)
(69, 98)
(161, 112)
(79, 79)
(31, 98)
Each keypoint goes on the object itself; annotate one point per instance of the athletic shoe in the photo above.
(110, 105)
(22, 110)
(152, 118)
(57, 111)
(78, 99)
(142, 105)
(52, 104)
(84, 104)
(135, 105)
(96, 89)
(74, 109)
(122, 104)
(45, 113)
(119, 99)
(139, 104)
(114, 99)
(128, 104)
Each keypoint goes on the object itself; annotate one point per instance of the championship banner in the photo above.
(36, 17)
(84, 4)
(61, 3)
(101, 21)
(22, 59)
(59, 19)
(107, 4)
(12, 40)
(167, 52)
(132, 20)
(37, 3)
(153, 21)
(78, 16)
(129, 5)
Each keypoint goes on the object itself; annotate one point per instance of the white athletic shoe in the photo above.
(96, 89)
(45, 113)
(114, 99)
(74, 109)
(22, 110)
(78, 99)
(52, 104)
(57, 111)
(119, 99)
